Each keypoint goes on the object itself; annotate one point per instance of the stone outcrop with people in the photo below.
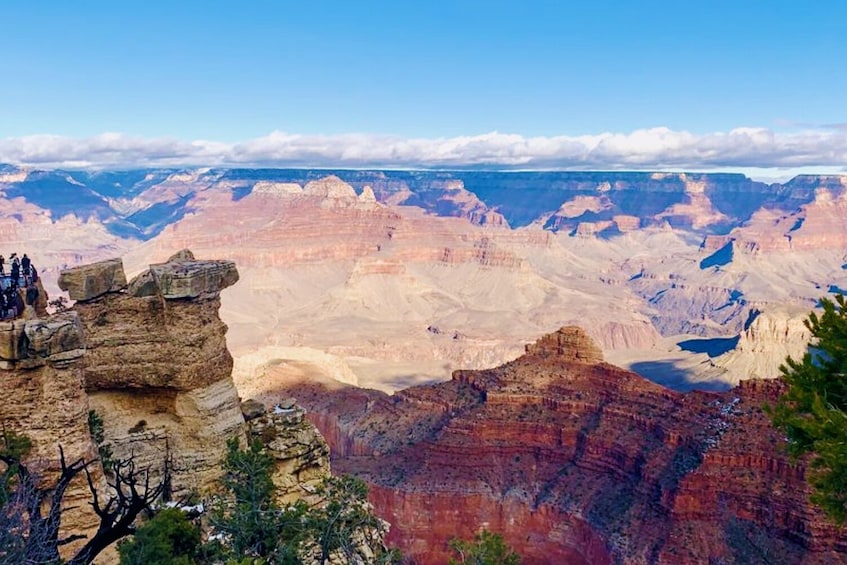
(149, 358)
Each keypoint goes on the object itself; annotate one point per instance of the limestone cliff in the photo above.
(763, 346)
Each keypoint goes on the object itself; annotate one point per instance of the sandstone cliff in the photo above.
(158, 372)
(42, 387)
(577, 461)
(157, 367)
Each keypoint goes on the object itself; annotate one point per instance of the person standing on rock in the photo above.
(16, 272)
(25, 263)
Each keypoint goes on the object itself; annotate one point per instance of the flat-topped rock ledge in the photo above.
(26, 344)
(90, 281)
(187, 279)
(180, 277)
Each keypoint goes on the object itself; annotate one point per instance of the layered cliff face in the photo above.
(157, 366)
(817, 224)
(42, 387)
(323, 265)
(575, 460)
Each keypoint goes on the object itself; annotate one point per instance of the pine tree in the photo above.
(486, 548)
(169, 538)
(813, 410)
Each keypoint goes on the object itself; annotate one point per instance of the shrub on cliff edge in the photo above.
(486, 549)
(169, 538)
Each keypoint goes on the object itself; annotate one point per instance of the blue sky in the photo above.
(233, 72)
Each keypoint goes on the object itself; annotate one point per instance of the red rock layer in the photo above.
(577, 461)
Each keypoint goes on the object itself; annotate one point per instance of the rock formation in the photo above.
(300, 452)
(90, 281)
(768, 339)
(577, 461)
(42, 387)
(159, 374)
(149, 357)
(157, 368)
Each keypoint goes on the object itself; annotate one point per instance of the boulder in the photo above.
(193, 279)
(39, 340)
(91, 281)
(182, 255)
(143, 285)
(12, 340)
(61, 333)
(252, 409)
(184, 277)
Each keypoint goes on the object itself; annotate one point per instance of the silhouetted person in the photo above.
(19, 303)
(16, 273)
(31, 295)
(25, 263)
(9, 295)
(2, 265)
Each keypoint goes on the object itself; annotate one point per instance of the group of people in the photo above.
(18, 288)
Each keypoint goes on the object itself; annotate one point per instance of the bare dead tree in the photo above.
(40, 532)
(131, 495)
(31, 536)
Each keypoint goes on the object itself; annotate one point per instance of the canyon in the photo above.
(395, 307)
(575, 460)
(394, 278)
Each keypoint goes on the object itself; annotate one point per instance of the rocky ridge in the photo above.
(575, 460)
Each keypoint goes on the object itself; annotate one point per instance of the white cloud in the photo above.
(655, 148)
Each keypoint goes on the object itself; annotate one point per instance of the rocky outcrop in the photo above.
(576, 459)
(767, 340)
(330, 187)
(568, 344)
(159, 373)
(182, 276)
(300, 452)
(26, 344)
(42, 387)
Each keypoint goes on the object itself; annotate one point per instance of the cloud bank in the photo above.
(648, 149)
